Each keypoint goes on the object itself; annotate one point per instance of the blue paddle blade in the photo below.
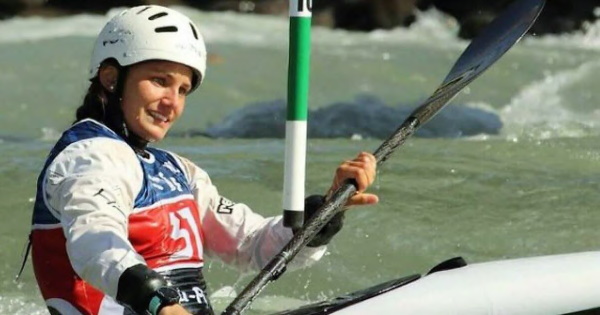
(495, 40)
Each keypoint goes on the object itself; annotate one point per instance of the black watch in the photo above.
(162, 297)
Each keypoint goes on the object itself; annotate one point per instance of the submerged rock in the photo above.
(366, 116)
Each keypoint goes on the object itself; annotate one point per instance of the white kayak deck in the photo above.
(556, 284)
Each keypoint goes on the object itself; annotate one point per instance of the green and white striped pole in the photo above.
(297, 112)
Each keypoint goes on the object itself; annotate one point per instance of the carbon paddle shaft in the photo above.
(495, 40)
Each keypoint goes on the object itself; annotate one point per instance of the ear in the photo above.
(108, 75)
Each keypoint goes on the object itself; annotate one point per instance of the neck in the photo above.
(115, 120)
(137, 143)
(118, 125)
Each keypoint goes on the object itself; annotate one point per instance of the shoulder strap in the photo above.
(25, 255)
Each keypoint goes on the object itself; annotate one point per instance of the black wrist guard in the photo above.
(137, 286)
(162, 297)
(311, 205)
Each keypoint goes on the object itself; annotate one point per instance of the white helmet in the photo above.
(151, 32)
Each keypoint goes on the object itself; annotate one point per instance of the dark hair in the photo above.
(102, 105)
(105, 107)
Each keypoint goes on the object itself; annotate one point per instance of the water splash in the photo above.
(587, 38)
(29, 29)
(430, 28)
(50, 134)
(541, 109)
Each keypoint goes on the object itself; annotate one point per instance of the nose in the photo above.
(171, 97)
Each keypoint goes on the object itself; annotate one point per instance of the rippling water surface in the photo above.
(509, 170)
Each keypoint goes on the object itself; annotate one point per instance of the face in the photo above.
(154, 97)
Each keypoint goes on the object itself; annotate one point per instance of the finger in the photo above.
(363, 199)
(347, 170)
(370, 164)
(366, 168)
(356, 171)
(364, 162)
(367, 157)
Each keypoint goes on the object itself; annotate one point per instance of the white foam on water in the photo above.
(28, 29)
(50, 134)
(247, 29)
(275, 303)
(243, 29)
(540, 110)
(20, 306)
(262, 305)
(587, 38)
(430, 28)
(224, 292)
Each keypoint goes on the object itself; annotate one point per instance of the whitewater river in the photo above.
(510, 169)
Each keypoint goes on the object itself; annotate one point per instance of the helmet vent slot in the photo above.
(157, 15)
(166, 29)
(194, 31)
(142, 10)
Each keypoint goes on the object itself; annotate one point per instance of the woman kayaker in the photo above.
(120, 227)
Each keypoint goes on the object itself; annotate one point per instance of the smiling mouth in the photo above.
(158, 117)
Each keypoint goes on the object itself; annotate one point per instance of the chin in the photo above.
(153, 135)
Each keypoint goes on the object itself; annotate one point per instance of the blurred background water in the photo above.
(509, 169)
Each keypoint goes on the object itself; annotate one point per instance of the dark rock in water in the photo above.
(93, 6)
(461, 121)
(10, 8)
(368, 15)
(11, 138)
(558, 16)
(367, 117)
(364, 15)
(105, 5)
(272, 7)
(258, 120)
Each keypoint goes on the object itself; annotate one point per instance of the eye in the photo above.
(160, 81)
(184, 91)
